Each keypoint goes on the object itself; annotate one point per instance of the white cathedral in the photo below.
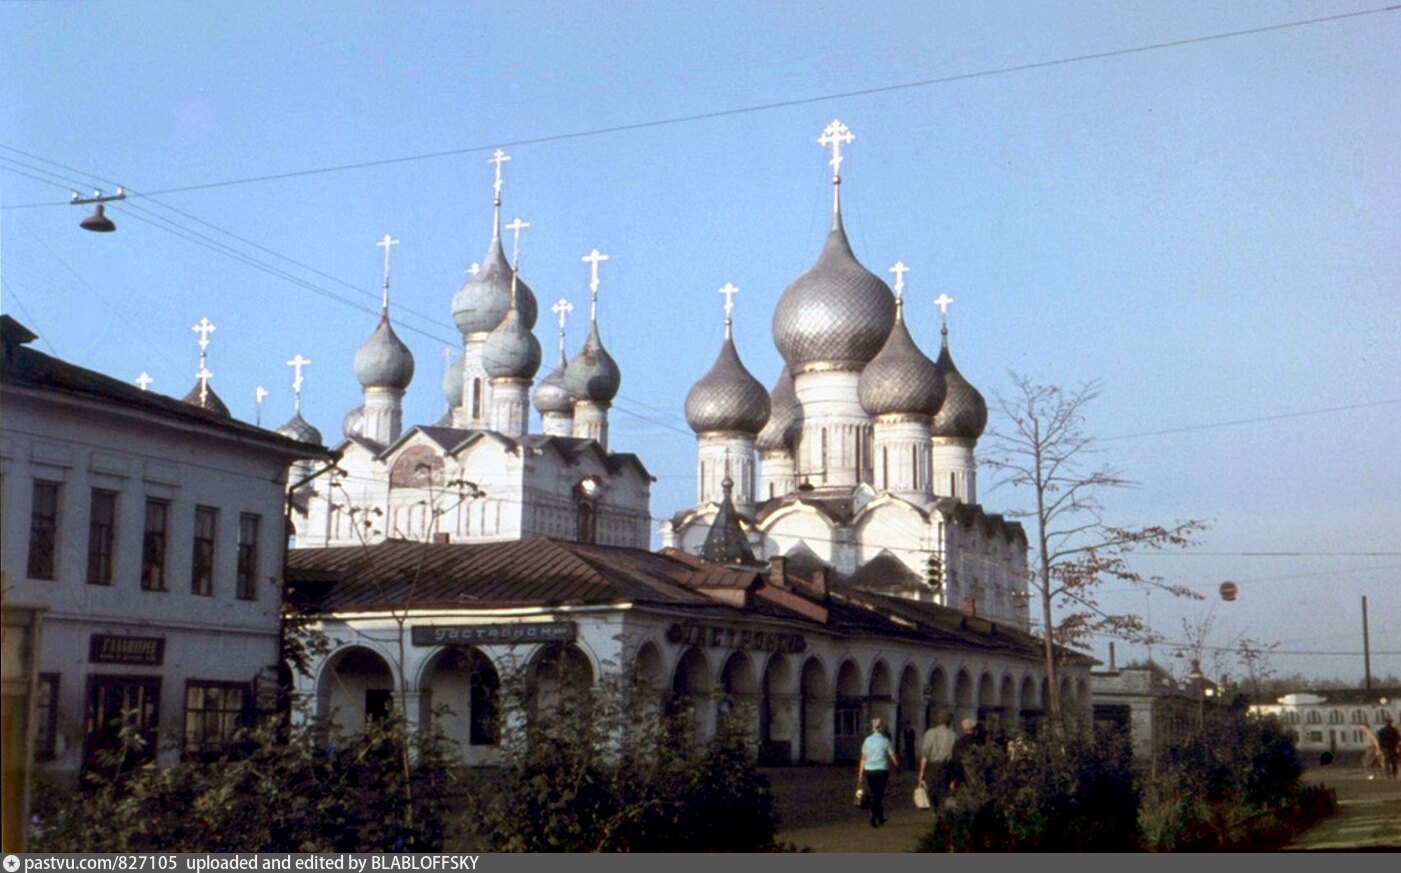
(859, 464)
(865, 447)
(477, 475)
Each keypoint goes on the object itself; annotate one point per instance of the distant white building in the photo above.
(477, 474)
(865, 446)
(151, 532)
(1333, 720)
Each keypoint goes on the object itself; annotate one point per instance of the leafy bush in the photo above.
(1070, 791)
(586, 777)
(381, 790)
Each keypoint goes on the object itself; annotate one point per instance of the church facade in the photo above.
(861, 459)
(477, 474)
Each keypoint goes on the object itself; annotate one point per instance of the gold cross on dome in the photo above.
(498, 158)
(144, 380)
(729, 291)
(943, 301)
(296, 364)
(593, 259)
(562, 308)
(515, 227)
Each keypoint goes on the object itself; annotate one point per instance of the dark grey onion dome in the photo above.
(482, 301)
(551, 395)
(964, 412)
(837, 313)
(593, 375)
(211, 401)
(511, 350)
(900, 379)
(384, 361)
(299, 429)
(353, 425)
(452, 384)
(785, 422)
(727, 397)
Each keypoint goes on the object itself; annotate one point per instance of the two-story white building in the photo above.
(151, 532)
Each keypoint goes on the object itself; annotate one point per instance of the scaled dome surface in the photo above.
(964, 412)
(593, 374)
(838, 313)
(211, 401)
(511, 350)
(383, 361)
(353, 425)
(901, 378)
(481, 303)
(727, 397)
(551, 395)
(780, 433)
(452, 384)
(300, 429)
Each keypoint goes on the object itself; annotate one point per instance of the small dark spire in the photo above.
(726, 542)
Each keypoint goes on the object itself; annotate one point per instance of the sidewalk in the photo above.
(1368, 816)
(815, 803)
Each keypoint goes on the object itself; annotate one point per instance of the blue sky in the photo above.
(1210, 228)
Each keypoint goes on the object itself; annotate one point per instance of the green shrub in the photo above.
(1070, 791)
(381, 790)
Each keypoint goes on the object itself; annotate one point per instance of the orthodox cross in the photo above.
(943, 301)
(834, 136)
(258, 394)
(296, 364)
(498, 158)
(144, 380)
(899, 270)
(204, 329)
(474, 269)
(729, 291)
(385, 243)
(593, 259)
(515, 227)
(203, 376)
(562, 308)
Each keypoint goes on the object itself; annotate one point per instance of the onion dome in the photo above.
(593, 375)
(384, 361)
(837, 313)
(481, 303)
(353, 425)
(452, 384)
(511, 350)
(900, 379)
(551, 395)
(727, 397)
(300, 429)
(209, 400)
(964, 412)
(780, 434)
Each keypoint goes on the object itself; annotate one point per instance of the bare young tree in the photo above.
(1040, 444)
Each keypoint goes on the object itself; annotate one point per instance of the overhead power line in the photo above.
(761, 107)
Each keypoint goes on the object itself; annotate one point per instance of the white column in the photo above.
(954, 470)
(591, 421)
(557, 423)
(726, 454)
(776, 475)
(384, 415)
(510, 405)
(476, 386)
(900, 456)
(835, 442)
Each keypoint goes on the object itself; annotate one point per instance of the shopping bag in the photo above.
(862, 800)
(922, 796)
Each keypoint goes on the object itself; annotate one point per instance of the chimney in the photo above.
(778, 571)
(1112, 668)
(819, 581)
(441, 538)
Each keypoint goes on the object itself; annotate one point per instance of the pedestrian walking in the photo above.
(935, 754)
(877, 758)
(1390, 740)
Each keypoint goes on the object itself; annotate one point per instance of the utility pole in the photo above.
(1366, 649)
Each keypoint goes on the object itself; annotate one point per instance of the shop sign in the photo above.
(495, 634)
(107, 649)
(735, 638)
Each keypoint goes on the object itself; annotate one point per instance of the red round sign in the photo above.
(1228, 590)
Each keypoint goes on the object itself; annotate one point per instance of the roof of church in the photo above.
(28, 368)
(726, 542)
(451, 439)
